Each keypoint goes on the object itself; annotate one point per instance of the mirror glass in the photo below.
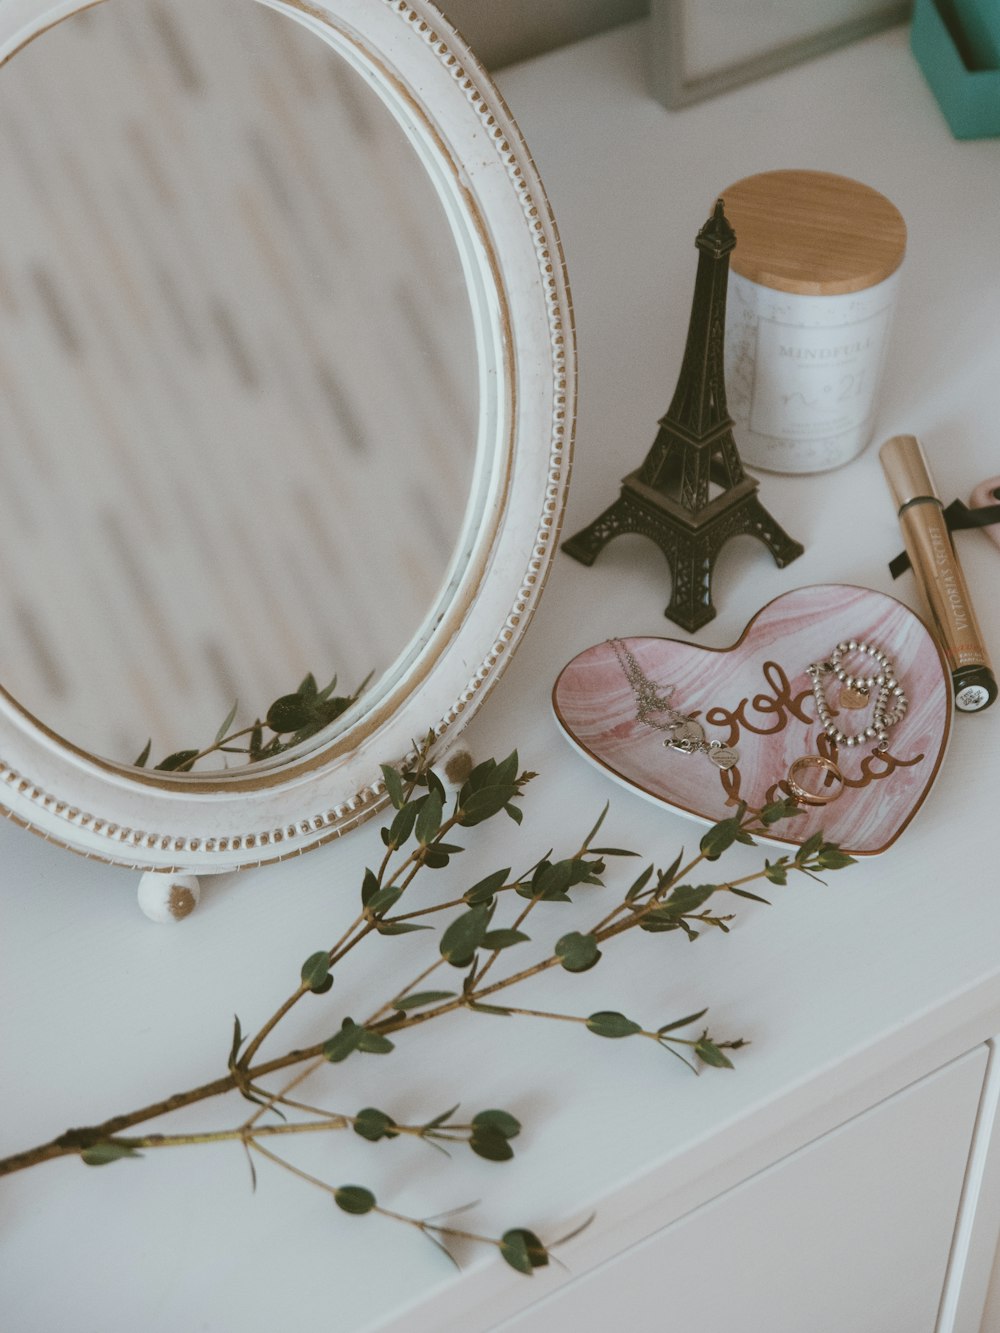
(238, 383)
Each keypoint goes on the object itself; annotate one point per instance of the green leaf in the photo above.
(745, 893)
(779, 810)
(777, 871)
(611, 851)
(399, 927)
(718, 839)
(441, 1119)
(503, 939)
(808, 848)
(667, 876)
(488, 1009)
(502, 1121)
(487, 1141)
(523, 1250)
(514, 811)
(687, 898)
(487, 790)
(402, 826)
(344, 1043)
(394, 786)
(597, 827)
(100, 1154)
(354, 1199)
(224, 729)
(429, 818)
(609, 1023)
(577, 952)
(832, 858)
(374, 1043)
(483, 891)
(436, 858)
(421, 998)
(659, 920)
(369, 887)
(290, 713)
(256, 741)
(234, 1049)
(327, 689)
(316, 972)
(550, 882)
(464, 935)
(353, 1037)
(709, 1053)
(328, 709)
(489, 773)
(639, 884)
(308, 688)
(373, 1124)
(383, 899)
(682, 1022)
(176, 761)
(141, 761)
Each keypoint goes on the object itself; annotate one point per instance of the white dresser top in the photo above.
(846, 992)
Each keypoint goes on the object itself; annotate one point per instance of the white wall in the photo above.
(502, 31)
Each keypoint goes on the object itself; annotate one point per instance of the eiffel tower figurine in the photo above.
(691, 494)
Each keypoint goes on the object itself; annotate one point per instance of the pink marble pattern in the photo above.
(757, 697)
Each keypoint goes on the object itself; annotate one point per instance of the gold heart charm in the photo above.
(851, 697)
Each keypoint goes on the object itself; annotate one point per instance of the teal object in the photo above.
(980, 24)
(969, 97)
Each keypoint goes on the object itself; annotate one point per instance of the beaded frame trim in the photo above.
(340, 818)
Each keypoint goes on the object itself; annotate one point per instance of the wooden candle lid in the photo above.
(813, 233)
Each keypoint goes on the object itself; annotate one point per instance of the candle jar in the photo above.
(812, 285)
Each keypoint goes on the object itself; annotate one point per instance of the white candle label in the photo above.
(803, 371)
(816, 383)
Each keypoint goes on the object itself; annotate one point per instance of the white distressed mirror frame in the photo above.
(469, 144)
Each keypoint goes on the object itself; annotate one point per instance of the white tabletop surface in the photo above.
(894, 966)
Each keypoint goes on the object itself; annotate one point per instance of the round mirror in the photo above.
(286, 381)
(238, 383)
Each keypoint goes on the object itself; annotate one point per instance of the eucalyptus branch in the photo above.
(519, 1247)
(417, 840)
(291, 719)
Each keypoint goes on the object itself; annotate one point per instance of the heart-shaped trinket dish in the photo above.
(622, 704)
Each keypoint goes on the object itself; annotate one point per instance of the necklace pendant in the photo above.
(852, 697)
(689, 733)
(723, 756)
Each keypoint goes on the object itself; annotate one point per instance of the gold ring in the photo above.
(829, 768)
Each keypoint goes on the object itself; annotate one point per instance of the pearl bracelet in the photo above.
(890, 702)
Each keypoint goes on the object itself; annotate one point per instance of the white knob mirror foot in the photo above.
(166, 898)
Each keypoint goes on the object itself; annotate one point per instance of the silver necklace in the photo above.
(654, 709)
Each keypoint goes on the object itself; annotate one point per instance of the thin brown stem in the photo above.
(241, 1133)
(405, 991)
(273, 1099)
(443, 907)
(496, 952)
(295, 1170)
(271, 1023)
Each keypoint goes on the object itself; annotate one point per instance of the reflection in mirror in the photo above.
(237, 380)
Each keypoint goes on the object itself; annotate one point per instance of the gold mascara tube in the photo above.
(938, 573)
